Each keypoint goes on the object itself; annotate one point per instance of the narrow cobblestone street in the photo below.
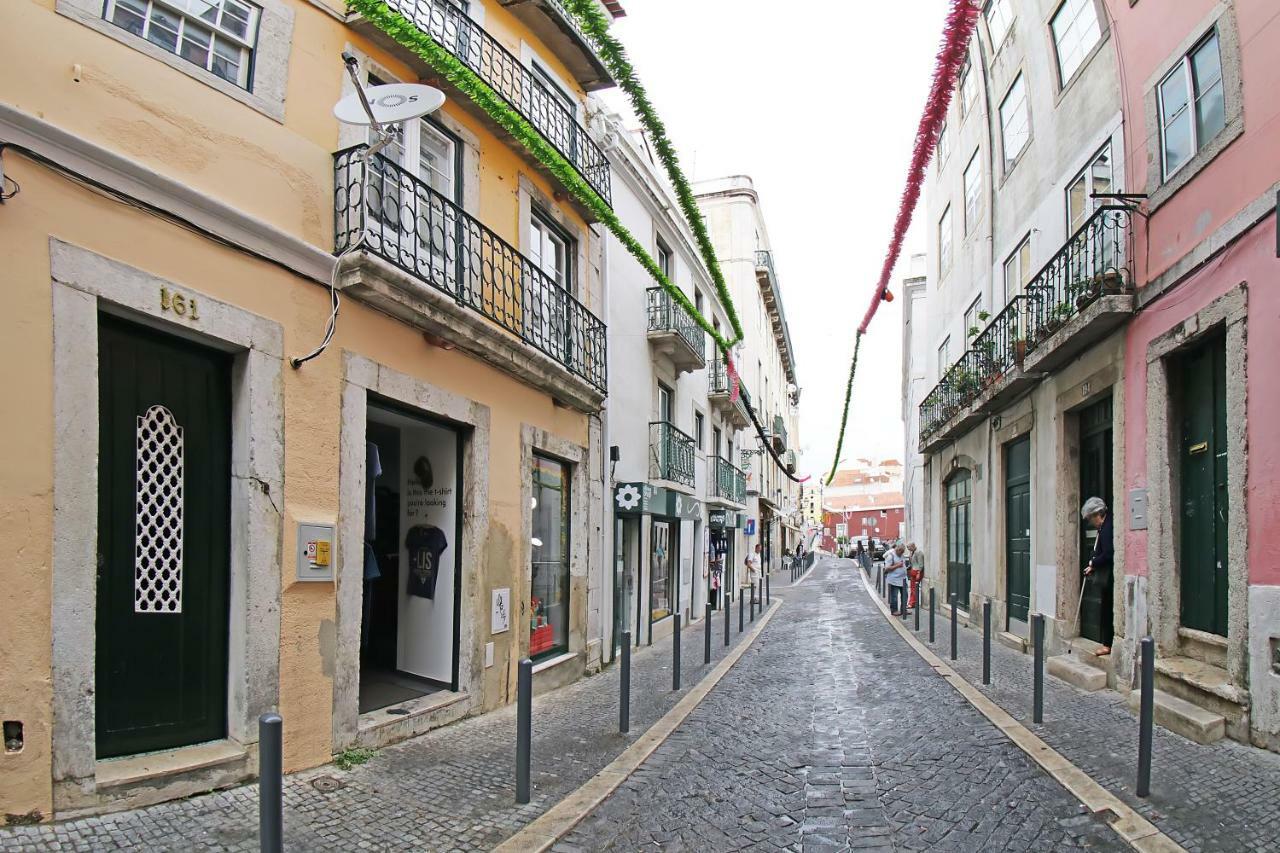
(831, 734)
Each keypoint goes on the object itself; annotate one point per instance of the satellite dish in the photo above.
(392, 103)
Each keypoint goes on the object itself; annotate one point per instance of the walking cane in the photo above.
(1079, 602)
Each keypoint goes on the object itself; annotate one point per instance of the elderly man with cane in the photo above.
(1095, 513)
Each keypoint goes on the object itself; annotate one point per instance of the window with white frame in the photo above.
(1015, 122)
(943, 144)
(1095, 178)
(944, 356)
(664, 259)
(972, 322)
(551, 250)
(972, 192)
(1191, 104)
(944, 243)
(217, 35)
(999, 14)
(1075, 31)
(1017, 269)
(968, 89)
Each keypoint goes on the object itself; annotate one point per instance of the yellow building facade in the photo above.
(196, 530)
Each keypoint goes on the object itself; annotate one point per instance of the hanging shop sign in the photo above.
(724, 518)
(647, 499)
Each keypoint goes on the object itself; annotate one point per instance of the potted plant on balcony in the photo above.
(1019, 345)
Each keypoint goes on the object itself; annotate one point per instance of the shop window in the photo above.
(665, 544)
(549, 586)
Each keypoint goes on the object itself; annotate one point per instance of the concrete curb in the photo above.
(1138, 832)
(557, 821)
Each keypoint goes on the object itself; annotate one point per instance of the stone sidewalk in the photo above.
(1220, 797)
(452, 789)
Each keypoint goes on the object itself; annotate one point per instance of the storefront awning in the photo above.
(648, 499)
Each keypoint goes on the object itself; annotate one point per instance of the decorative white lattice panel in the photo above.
(157, 566)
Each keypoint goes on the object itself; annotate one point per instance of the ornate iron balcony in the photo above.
(411, 226)
(730, 481)
(779, 433)
(549, 112)
(668, 320)
(670, 454)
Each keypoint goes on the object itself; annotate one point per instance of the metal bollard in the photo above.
(524, 728)
(742, 602)
(954, 626)
(986, 642)
(675, 656)
(706, 643)
(624, 685)
(917, 613)
(724, 605)
(1146, 711)
(768, 590)
(270, 783)
(1037, 682)
(753, 602)
(933, 610)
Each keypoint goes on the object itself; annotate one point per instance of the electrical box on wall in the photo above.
(315, 552)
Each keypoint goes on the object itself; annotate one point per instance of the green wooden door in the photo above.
(1017, 526)
(163, 541)
(959, 542)
(1095, 481)
(1201, 378)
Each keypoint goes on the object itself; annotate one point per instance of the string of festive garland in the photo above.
(407, 34)
(848, 395)
(960, 24)
(596, 26)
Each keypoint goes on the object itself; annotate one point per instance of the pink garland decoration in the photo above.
(955, 47)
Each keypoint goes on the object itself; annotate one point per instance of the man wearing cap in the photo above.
(1098, 571)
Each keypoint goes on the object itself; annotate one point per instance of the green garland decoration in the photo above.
(844, 419)
(614, 55)
(407, 34)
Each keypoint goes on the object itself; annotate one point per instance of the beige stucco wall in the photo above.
(281, 174)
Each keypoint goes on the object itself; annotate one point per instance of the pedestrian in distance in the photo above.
(751, 577)
(1098, 571)
(915, 574)
(895, 568)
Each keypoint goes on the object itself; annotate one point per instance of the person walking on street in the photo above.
(1095, 513)
(896, 577)
(752, 575)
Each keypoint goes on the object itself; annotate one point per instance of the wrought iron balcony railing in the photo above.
(410, 225)
(779, 430)
(550, 112)
(1096, 260)
(1002, 344)
(670, 454)
(730, 481)
(959, 386)
(665, 315)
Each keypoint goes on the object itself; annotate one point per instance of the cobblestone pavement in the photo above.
(1219, 797)
(830, 734)
(451, 789)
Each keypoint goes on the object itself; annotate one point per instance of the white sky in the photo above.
(818, 102)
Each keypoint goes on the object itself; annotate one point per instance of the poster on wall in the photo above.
(429, 517)
(500, 617)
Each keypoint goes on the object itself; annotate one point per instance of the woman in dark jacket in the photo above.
(1095, 513)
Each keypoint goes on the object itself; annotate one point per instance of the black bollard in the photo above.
(933, 610)
(524, 728)
(724, 605)
(270, 783)
(742, 603)
(917, 614)
(624, 685)
(675, 656)
(706, 644)
(1146, 711)
(986, 642)
(753, 602)
(768, 590)
(954, 626)
(1037, 682)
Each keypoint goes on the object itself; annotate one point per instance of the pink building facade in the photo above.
(1197, 529)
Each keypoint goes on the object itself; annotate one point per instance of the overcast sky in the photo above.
(818, 102)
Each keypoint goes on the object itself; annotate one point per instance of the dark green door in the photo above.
(1201, 378)
(163, 541)
(1095, 481)
(959, 543)
(1017, 527)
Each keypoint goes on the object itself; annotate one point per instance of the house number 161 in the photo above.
(183, 306)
